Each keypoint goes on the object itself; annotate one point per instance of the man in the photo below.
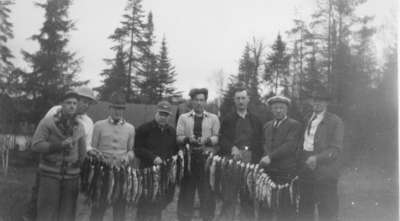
(281, 136)
(85, 100)
(240, 138)
(155, 142)
(113, 137)
(319, 171)
(197, 130)
(60, 139)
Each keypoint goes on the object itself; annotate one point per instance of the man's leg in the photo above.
(328, 200)
(307, 199)
(69, 194)
(48, 199)
(186, 197)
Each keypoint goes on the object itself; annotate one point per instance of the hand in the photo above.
(67, 142)
(193, 140)
(236, 153)
(265, 161)
(131, 155)
(311, 162)
(157, 161)
(208, 150)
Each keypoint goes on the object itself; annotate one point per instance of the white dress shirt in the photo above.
(309, 136)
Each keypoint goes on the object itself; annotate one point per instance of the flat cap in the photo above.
(196, 91)
(278, 99)
(164, 106)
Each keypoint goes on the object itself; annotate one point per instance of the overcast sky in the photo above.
(203, 36)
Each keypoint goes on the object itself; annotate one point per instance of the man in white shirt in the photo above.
(319, 169)
(86, 99)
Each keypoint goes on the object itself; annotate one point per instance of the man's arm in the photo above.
(335, 144)
(225, 142)
(180, 130)
(96, 135)
(215, 131)
(141, 149)
(41, 142)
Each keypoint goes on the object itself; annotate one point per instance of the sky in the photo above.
(203, 36)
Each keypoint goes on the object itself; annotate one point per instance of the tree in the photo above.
(115, 78)
(130, 35)
(277, 66)
(166, 72)
(53, 66)
(6, 34)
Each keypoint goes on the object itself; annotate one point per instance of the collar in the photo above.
(319, 115)
(192, 113)
(120, 122)
(242, 115)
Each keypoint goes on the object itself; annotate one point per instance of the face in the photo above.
(279, 110)
(69, 106)
(319, 105)
(241, 100)
(162, 118)
(117, 113)
(83, 105)
(199, 102)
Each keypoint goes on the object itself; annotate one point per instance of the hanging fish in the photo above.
(134, 186)
(111, 185)
(212, 173)
(140, 174)
(182, 165)
(128, 184)
(99, 186)
(156, 182)
(85, 168)
(117, 185)
(208, 162)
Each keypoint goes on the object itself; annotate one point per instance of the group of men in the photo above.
(283, 147)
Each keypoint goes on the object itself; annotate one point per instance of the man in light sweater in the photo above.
(113, 136)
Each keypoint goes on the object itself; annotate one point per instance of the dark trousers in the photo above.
(196, 180)
(98, 211)
(57, 199)
(286, 210)
(149, 211)
(323, 193)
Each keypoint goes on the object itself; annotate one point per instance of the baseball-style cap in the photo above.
(164, 106)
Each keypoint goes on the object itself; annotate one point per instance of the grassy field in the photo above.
(367, 193)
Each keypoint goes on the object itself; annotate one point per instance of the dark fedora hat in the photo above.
(321, 94)
(117, 100)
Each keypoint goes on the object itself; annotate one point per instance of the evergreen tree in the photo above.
(277, 66)
(6, 34)
(166, 73)
(53, 66)
(115, 78)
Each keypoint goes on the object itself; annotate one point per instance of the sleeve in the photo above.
(335, 144)
(40, 139)
(89, 134)
(141, 149)
(180, 130)
(82, 149)
(131, 140)
(52, 111)
(289, 145)
(96, 136)
(225, 142)
(258, 142)
(215, 131)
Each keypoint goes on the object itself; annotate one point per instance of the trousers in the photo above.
(57, 199)
(196, 180)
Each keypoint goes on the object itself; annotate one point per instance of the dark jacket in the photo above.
(281, 144)
(328, 143)
(228, 134)
(151, 141)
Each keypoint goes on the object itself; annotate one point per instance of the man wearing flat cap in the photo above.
(197, 131)
(155, 142)
(281, 137)
(113, 137)
(319, 169)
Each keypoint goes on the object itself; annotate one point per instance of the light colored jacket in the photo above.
(210, 127)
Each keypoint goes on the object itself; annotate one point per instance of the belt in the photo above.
(60, 163)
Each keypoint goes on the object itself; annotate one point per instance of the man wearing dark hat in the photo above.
(281, 136)
(241, 139)
(113, 137)
(319, 171)
(198, 131)
(155, 142)
(60, 139)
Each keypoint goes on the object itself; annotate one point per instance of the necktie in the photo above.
(310, 122)
(277, 123)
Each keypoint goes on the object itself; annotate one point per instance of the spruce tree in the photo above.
(53, 67)
(166, 73)
(6, 33)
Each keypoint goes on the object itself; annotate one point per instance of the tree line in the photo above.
(143, 73)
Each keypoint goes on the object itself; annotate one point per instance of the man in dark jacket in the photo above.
(319, 169)
(240, 138)
(155, 142)
(281, 137)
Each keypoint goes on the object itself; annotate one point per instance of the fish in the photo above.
(156, 182)
(116, 191)
(85, 169)
(182, 165)
(212, 173)
(111, 185)
(99, 185)
(139, 194)
(134, 185)
(208, 162)
(128, 185)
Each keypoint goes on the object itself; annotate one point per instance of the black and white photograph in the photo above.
(202, 110)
